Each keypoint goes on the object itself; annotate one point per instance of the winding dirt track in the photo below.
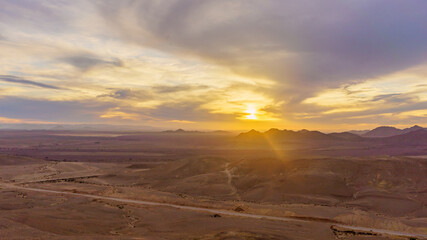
(230, 182)
(219, 211)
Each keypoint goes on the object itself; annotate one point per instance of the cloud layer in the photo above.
(208, 64)
(14, 79)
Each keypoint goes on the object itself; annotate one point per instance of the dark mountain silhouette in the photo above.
(358, 132)
(58, 128)
(347, 136)
(180, 131)
(412, 138)
(387, 131)
(252, 135)
(221, 131)
(383, 131)
(277, 135)
(412, 129)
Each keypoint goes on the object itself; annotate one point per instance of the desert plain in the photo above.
(212, 185)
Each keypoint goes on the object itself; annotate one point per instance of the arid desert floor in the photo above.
(203, 186)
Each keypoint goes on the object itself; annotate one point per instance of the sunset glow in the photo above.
(144, 63)
(251, 114)
(213, 119)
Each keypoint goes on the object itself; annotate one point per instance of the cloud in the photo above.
(325, 61)
(377, 109)
(189, 110)
(317, 43)
(181, 121)
(177, 88)
(116, 113)
(53, 111)
(119, 94)
(12, 120)
(85, 62)
(392, 97)
(128, 94)
(29, 14)
(151, 92)
(15, 79)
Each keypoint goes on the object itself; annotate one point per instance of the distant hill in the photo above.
(221, 131)
(252, 135)
(383, 131)
(58, 128)
(412, 129)
(412, 138)
(387, 131)
(358, 132)
(347, 136)
(286, 136)
(181, 131)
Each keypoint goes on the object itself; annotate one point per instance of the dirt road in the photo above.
(218, 211)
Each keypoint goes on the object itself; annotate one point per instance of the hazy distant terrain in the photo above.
(213, 119)
(323, 185)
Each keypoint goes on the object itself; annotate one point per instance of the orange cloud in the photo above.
(15, 120)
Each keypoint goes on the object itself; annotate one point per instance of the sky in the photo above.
(214, 64)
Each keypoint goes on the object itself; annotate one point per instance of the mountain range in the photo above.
(387, 131)
(415, 135)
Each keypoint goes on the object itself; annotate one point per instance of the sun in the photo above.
(251, 114)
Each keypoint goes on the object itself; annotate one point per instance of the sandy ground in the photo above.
(102, 186)
(70, 217)
(26, 214)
